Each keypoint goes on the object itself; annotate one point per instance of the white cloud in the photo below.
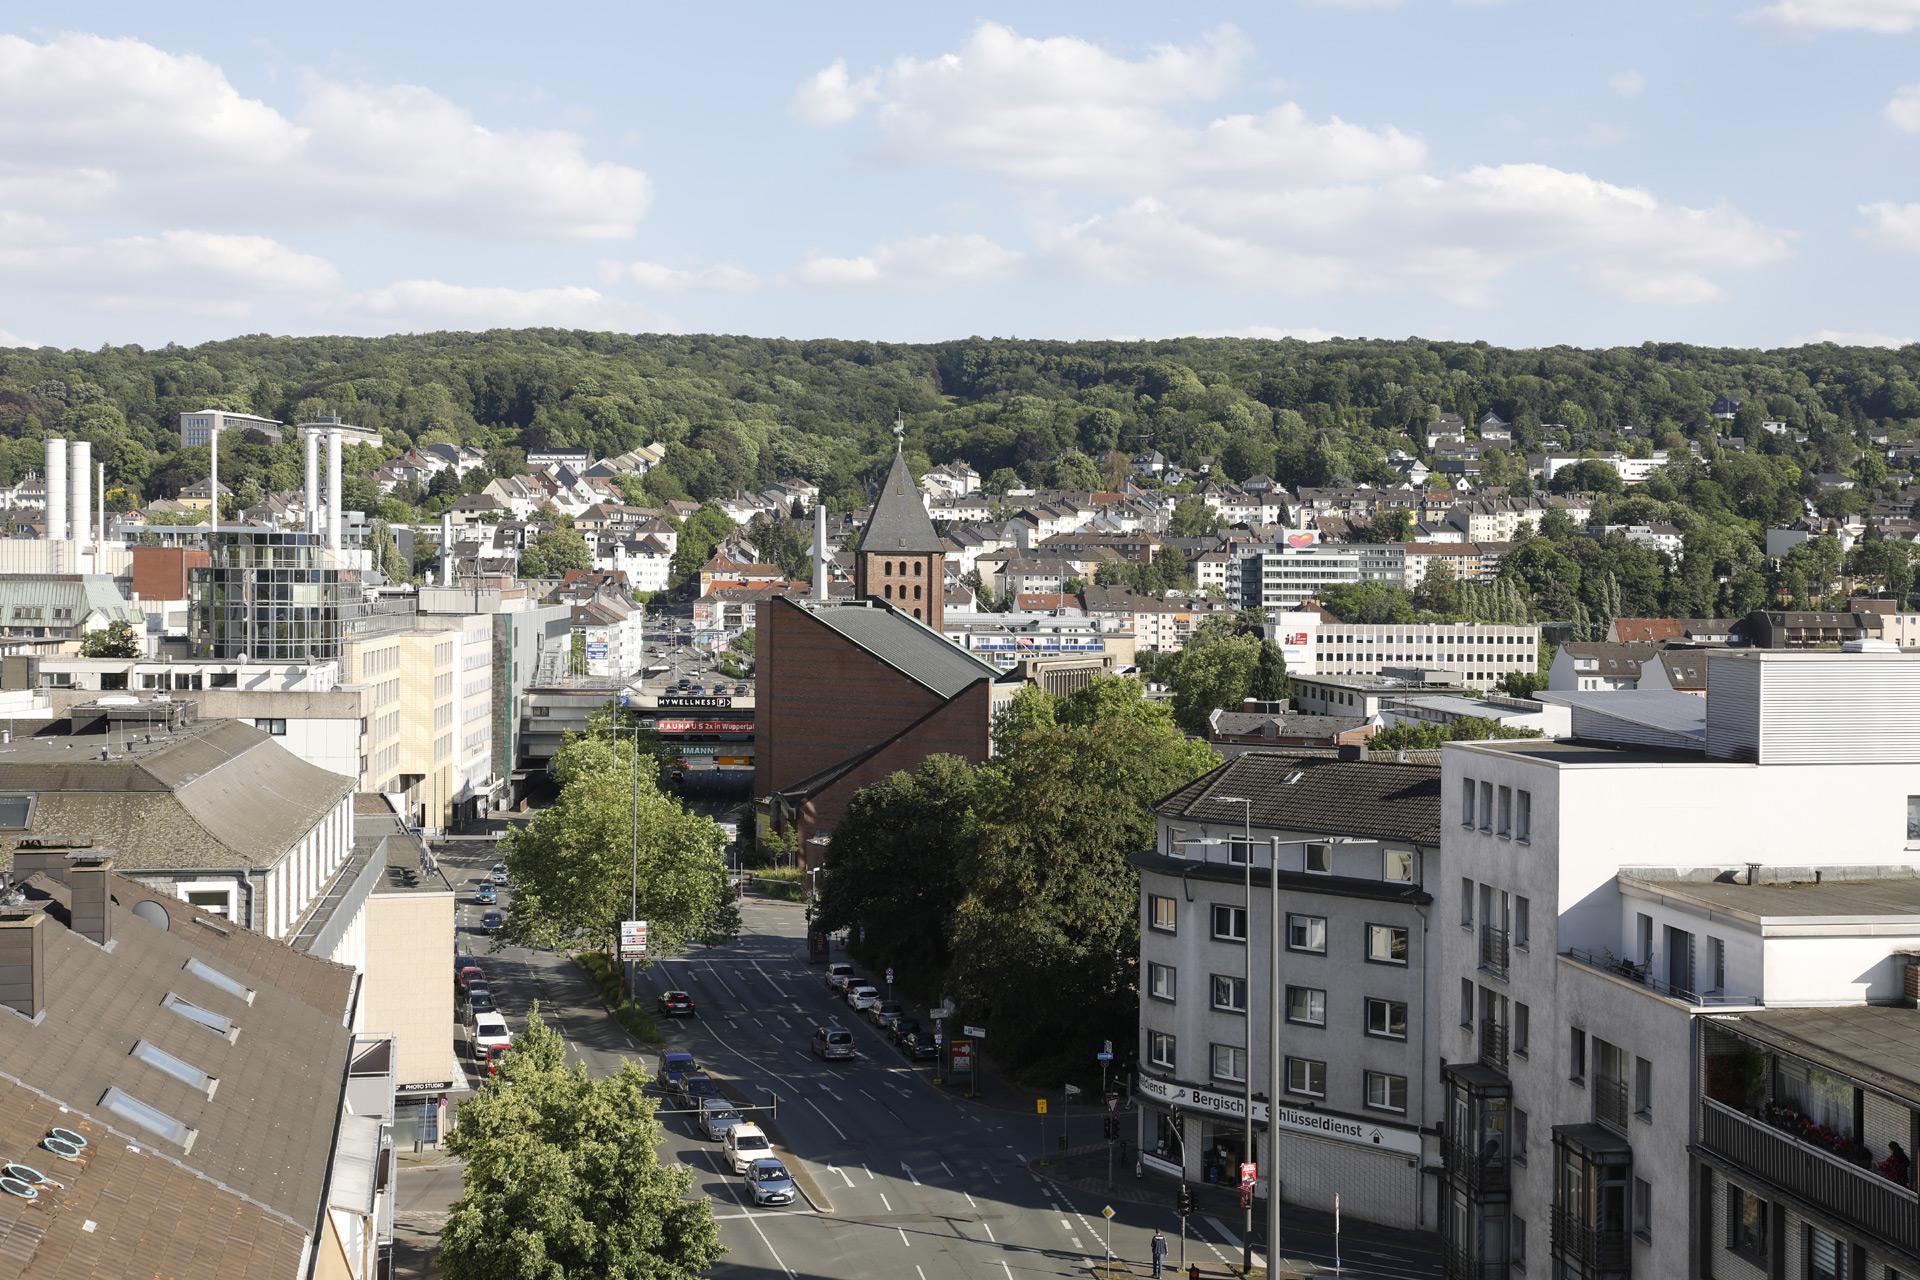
(86, 120)
(1884, 17)
(1894, 226)
(1269, 332)
(1063, 109)
(660, 277)
(1851, 338)
(924, 260)
(1628, 84)
(194, 272)
(10, 339)
(413, 305)
(1903, 109)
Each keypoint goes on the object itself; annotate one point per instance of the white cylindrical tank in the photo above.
(56, 477)
(333, 490)
(80, 505)
(446, 548)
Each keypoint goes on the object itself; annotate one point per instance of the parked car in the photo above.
(675, 1002)
(838, 976)
(480, 1000)
(744, 1144)
(486, 895)
(696, 1085)
(674, 1068)
(831, 1042)
(499, 874)
(493, 921)
(770, 1181)
(468, 974)
(490, 1034)
(902, 1028)
(884, 1013)
(862, 995)
(921, 1046)
(742, 690)
(717, 1116)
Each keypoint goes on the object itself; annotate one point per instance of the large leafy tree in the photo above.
(552, 552)
(1215, 670)
(574, 865)
(119, 640)
(563, 1180)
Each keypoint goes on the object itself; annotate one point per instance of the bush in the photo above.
(788, 883)
(605, 975)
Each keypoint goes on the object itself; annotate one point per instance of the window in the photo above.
(214, 1022)
(1160, 981)
(1319, 860)
(1386, 944)
(1399, 866)
(1307, 933)
(1239, 852)
(1466, 803)
(1522, 920)
(1577, 1056)
(213, 977)
(1517, 1243)
(148, 1117)
(1307, 1077)
(1717, 965)
(1386, 1092)
(1643, 937)
(1228, 994)
(16, 812)
(1307, 1006)
(1466, 902)
(1161, 913)
(1523, 816)
(185, 1072)
(1828, 1257)
(1387, 1019)
(1486, 806)
(1519, 1136)
(277, 727)
(1229, 1062)
(1643, 1208)
(1643, 1089)
(1229, 923)
(1747, 1225)
(1466, 1002)
(1160, 1049)
(1520, 1033)
(1913, 819)
(1506, 811)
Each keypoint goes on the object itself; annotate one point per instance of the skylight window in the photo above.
(218, 1023)
(207, 973)
(180, 1069)
(148, 1117)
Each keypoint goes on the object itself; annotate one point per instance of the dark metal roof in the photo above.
(900, 522)
(920, 654)
(1374, 798)
(1290, 881)
(1876, 1044)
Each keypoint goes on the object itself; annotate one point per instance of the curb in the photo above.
(802, 1177)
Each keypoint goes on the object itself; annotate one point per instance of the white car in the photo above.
(839, 976)
(862, 996)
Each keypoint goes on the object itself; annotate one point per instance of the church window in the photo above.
(917, 567)
(888, 567)
(888, 589)
(916, 594)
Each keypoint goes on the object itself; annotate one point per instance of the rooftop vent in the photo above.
(64, 1143)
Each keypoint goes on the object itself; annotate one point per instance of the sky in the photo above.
(1527, 172)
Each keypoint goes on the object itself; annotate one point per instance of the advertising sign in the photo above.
(1302, 538)
(1318, 1124)
(704, 726)
(633, 939)
(963, 1057)
(596, 651)
(689, 700)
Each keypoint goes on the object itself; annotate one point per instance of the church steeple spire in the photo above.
(901, 559)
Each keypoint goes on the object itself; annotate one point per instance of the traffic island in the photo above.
(637, 1022)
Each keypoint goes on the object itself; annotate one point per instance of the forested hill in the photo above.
(743, 411)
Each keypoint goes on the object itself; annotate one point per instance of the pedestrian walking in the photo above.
(1159, 1253)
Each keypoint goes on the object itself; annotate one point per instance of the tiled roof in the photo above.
(900, 522)
(1373, 798)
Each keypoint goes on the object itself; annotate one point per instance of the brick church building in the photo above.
(846, 694)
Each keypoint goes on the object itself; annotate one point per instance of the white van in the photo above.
(491, 1040)
(838, 975)
(745, 1144)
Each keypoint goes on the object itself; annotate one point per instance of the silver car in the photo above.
(716, 1117)
(770, 1182)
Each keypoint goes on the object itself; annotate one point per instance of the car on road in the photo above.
(674, 1068)
(831, 1042)
(901, 1028)
(486, 895)
(884, 1013)
(493, 921)
(696, 1085)
(499, 874)
(838, 976)
(770, 1182)
(717, 1116)
(685, 684)
(675, 1002)
(489, 1034)
(744, 1144)
(469, 974)
(480, 1000)
(921, 1046)
(862, 995)
(742, 690)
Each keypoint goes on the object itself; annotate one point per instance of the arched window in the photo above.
(917, 567)
(887, 568)
(916, 596)
(888, 590)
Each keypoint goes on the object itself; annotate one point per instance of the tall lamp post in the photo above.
(1246, 1073)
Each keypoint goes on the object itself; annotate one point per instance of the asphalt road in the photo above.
(913, 1182)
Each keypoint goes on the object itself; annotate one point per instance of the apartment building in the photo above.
(1354, 847)
(429, 739)
(1632, 940)
(1481, 652)
(1284, 577)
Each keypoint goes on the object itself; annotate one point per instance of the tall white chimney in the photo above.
(80, 475)
(333, 488)
(312, 441)
(56, 470)
(446, 548)
(820, 552)
(100, 511)
(213, 479)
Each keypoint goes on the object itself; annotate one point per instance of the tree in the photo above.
(1438, 592)
(1215, 670)
(386, 554)
(1368, 602)
(1270, 682)
(552, 552)
(119, 640)
(573, 866)
(1193, 518)
(1410, 736)
(1587, 476)
(563, 1180)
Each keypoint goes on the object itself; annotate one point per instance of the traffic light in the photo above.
(1183, 1202)
(1111, 1127)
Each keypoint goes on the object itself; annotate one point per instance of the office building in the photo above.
(1315, 643)
(1286, 576)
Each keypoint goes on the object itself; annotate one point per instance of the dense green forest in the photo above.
(741, 412)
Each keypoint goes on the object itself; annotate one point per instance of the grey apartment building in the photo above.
(1354, 844)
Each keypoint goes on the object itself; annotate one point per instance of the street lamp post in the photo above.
(1246, 1072)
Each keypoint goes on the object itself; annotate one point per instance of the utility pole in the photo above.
(1274, 924)
(1246, 1074)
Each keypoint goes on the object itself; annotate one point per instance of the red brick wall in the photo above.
(160, 573)
(958, 729)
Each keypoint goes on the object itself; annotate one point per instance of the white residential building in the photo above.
(1479, 652)
(1286, 576)
(197, 428)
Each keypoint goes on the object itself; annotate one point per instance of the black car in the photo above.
(480, 1000)
(698, 1085)
(902, 1028)
(921, 1048)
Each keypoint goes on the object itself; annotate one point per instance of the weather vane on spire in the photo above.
(899, 432)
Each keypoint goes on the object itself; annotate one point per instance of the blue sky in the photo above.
(1529, 172)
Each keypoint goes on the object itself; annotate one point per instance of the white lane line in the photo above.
(770, 982)
(988, 1227)
(722, 981)
(970, 1203)
(783, 1022)
(1065, 1225)
(824, 1116)
(917, 1271)
(906, 1169)
(753, 1221)
(886, 1203)
(949, 1169)
(903, 1237)
(869, 1096)
(1004, 1267)
(868, 1172)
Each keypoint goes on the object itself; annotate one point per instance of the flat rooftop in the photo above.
(1866, 897)
(1586, 753)
(1875, 1044)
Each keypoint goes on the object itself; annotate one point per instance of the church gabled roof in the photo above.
(899, 521)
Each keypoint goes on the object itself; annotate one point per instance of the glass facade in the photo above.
(272, 596)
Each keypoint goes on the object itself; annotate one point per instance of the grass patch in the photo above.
(779, 882)
(605, 976)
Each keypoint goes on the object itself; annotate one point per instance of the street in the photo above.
(903, 1178)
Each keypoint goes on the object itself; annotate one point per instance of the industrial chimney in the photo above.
(312, 442)
(819, 552)
(56, 470)
(333, 488)
(446, 548)
(80, 475)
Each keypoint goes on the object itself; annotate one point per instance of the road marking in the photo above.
(1004, 1267)
(888, 1204)
(1065, 1225)
(770, 982)
(908, 1170)
(824, 1116)
(843, 1175)
(970, 1203)
(949, 1169)
(782, 1021)
(722, 981)
(753, 1221)
(917, 1271)
(870, 1097)
(868, 1172)
(988, 1228)
(903, 1237)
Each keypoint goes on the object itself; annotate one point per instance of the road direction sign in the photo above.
(978, 1033)
(1106, 1050)
(1105, 1055)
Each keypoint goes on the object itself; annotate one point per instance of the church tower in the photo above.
(901, 559)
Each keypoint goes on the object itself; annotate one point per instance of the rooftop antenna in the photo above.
(899, 433)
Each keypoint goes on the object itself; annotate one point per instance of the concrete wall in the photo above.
(408, 989)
